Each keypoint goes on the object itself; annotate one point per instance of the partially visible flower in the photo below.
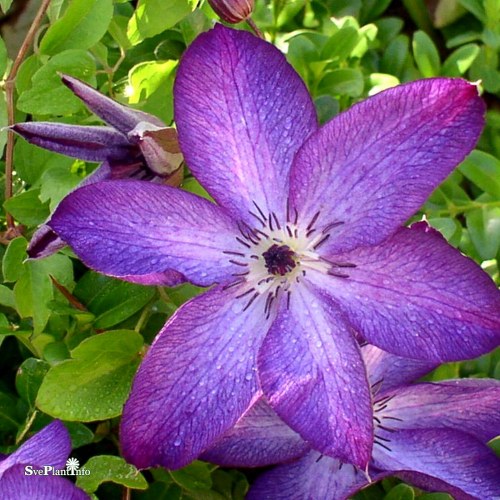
(48, 448)
(232, 11)
(304, 246)
(432, 435)
(135, 145)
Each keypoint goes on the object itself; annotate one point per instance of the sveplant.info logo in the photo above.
(72, 469)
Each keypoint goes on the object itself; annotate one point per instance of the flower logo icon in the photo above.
(72, 465)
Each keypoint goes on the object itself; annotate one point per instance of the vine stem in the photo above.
(9, 96)
(254, 27)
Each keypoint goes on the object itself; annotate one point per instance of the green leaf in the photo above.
(426, 55)
(341, 44)
(111, 301)
(345, 81)
(483, 170)
(110, 468)
(29, 378)
(484, 68)
(80, 434)
(476, 7)
(32, 161)
(82, 25)
(7, 297)
(483, 225)
(194, 477)
(9, 419)
(401, 492)
(27, 208)
(34, 290)
(5, 5)
(48, 95)
(147, 77)
(460, 60)
(395, 56)
(152, 17)
(12, 264)
(451, 229)
(95, 383)
(57, 182)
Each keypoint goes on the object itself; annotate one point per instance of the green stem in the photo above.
(454, 210)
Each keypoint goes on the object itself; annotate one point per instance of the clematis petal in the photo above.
(258, 439)
(16, 485)
(313, 376)
(313, 477)
(387, 371)
(241, 112)
(416, 288)
(84, 142)
(136, 228)
(196, 381)
(120, 117)
(471, 407)
(374, 165)
(51, 446)
(450, 456)
(44, 241)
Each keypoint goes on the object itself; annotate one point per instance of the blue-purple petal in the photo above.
(387, 371)
(416, 296)
(134, 228)
(258, 439)
(16, 485)
(241, 112)
(313, 376)
(374, 165)
(313, 477)
(452, 457)
(50, 446)
(196, 381)
(87, 143)
(121, 117)
(472, 407)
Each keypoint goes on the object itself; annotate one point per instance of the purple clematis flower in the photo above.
(48, 448)
(432, 435)
(304, 246)
(135, 145)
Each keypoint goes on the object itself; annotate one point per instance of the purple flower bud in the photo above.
(232, 11)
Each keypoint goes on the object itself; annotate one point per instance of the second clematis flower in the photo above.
(133, 145)
(432, 435)
(303, 248)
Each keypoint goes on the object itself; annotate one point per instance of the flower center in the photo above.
(275, 255)
(279, 259)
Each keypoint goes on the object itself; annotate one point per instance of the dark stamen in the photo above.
(243, 242)
(234, 283)
(313, 221)
(250, 290)
(261, 213)
(331, 226)
(381, 444)
(393, 418)
(242, 264)
(263, 222)
(321, 241)
(251, 301)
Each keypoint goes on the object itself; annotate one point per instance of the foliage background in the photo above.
(71, 340)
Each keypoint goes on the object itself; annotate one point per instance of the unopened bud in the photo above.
(159, 146)
(232, 11)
